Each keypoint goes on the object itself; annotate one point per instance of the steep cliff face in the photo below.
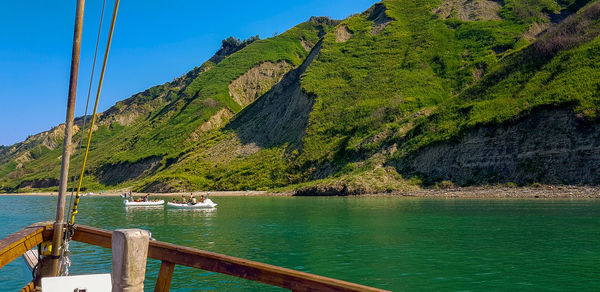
(281, 115)
(549, 146)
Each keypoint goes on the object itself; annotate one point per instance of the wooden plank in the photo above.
(31, 258)
(16, 244)
(165, 275)
(214, 262)
(93, 236)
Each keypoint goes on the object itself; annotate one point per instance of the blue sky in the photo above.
(155, 41)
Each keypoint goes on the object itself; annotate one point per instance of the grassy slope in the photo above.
(209, 92)
(416, 64)
(257, 171)
(165, 132)
(366, 87)
(517, 80)
(520, 82)
(411, 85)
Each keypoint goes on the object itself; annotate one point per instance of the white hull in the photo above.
(143, 204)
(204, 205)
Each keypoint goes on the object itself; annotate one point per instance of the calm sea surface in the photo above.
(392, 243)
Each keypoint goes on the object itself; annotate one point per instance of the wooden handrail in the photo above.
(214, 262)
(16, 244)
(251, 270)
(170, 255)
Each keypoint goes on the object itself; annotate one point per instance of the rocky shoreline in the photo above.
(566, 192)
(485, 192)
(118, 193)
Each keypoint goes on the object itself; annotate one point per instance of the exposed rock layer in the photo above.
(549, 146)
(39, 183)
(379, 18)
(113, 174)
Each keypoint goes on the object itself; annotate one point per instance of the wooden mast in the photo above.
(64, 173)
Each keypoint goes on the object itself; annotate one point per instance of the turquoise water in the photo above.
(391, 243)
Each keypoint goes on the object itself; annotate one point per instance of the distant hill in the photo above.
(409, 93)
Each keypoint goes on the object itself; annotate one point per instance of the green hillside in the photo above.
(332, 107)
(558, 70)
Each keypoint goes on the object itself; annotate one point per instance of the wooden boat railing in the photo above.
(16, 244)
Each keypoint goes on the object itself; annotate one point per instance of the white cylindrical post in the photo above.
(129, 255)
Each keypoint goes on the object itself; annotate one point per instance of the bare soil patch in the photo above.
(343, 34)
(469, 10)
(257, 81)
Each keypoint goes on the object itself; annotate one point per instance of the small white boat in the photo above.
(143, 204)
(200, 205)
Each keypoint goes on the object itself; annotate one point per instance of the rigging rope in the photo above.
(65, 260)
(88, 95)
(87, 149)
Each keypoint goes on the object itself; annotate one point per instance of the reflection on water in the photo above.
(143, 208)
(205, 212)
(391, 243)
(135, 215)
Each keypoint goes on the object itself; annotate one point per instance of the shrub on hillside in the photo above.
(574, 30)
(231, 45)
(326, 20)
(444, 185)
(536, 185)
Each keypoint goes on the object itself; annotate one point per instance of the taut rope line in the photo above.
(89, 91)
(87, 149)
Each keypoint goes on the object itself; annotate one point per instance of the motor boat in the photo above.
(128, 203)
(208, 203)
